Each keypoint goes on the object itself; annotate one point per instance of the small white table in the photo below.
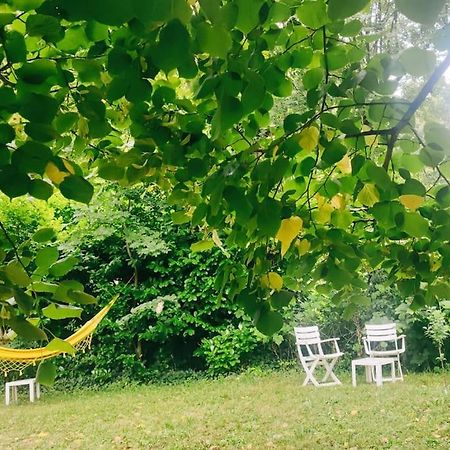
(11, 387)
(369, 364)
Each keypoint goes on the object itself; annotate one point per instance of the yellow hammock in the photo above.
(18, 359)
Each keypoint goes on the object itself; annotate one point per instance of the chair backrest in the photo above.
(308, 342)
(381, 333)
(307, 335)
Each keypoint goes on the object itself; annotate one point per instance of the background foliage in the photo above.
(292, 135)
(169, 322)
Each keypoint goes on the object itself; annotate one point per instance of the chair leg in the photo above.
(329, 371)
(399, 368)
(7, 395)
(32, 391)
(310, 373)
(369, 376)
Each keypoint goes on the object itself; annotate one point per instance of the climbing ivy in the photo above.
(180, 93)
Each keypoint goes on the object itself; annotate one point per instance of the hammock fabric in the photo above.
(18, 359)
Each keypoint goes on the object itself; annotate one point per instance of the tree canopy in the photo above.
(183, 94)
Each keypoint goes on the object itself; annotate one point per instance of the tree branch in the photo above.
(424, 92)
(13, 246)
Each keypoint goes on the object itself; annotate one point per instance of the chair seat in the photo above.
(327, 356)
(386, 352)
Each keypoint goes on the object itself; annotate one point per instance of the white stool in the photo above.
(11, 387)
(376, 363)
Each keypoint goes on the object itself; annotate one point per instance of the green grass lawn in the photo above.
(247, 411)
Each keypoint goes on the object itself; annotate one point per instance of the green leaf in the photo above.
(111, 12)
(418, 62)
(312, 78)
(431, 156)
(6, 292)
(268, 322)
(46, 256)
(46, 373)
(24, 301)
(36, 72)
(40, 189)
(415, 225)
(17, 274)
(58, 312)
(58, 345)
(238, 201)
(180, 217)
(15, 48)
(268, 219)
(41, 132)
(334, 152)
(313, 13)
(63, 266)
(42, 286)
(7, 133)
(12, 182)
(248, 14)
(39, 108)
(65, 122)
(46, 27)
(157, 11)
(360, 299)
(301, 58)
(111, 171)
(44, 235)
(173, 47)
(440, 290)
(32, 157)
(82, 298)
(281, 299)
(338, 9)
(202, 246)
(75, 187)
(254, 93)
(214, 40)
(437, 134)
(27, 5)
(421, 11)
(228, 113)
(443, 196)
(26, 330)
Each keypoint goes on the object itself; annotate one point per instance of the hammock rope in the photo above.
(12, 359)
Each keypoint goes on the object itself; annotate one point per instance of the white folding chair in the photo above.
(311, 355)
(382, 341)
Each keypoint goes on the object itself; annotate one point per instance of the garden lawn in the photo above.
(247, 411)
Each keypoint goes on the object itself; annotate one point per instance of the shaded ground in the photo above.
(247, 411)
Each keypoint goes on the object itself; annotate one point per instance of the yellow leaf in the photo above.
(411, 201)
(275, 151)
(288, 231)
(68, 166)
(54, 174)
(345, 165)
(309, 138)
(323, 213)
(338, 201)
(435, 265)
(368, 195)
(272, 281)
(303, 246)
